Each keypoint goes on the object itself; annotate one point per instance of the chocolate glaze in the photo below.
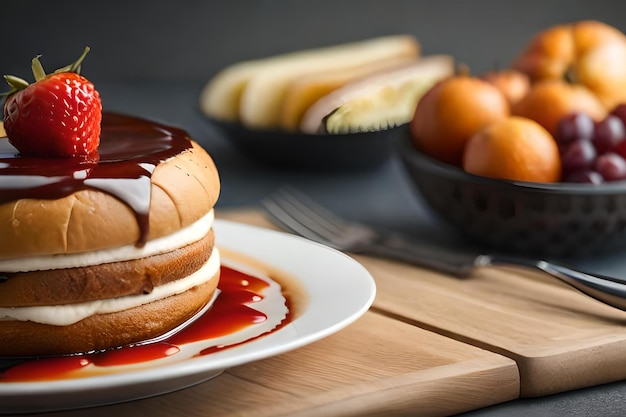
(130, 149)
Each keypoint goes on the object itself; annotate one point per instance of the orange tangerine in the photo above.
(515, 148)
(513, 84)
(548, 101)
(451, 112)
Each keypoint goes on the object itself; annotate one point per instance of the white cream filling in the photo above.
(182, 237)
(64, 315)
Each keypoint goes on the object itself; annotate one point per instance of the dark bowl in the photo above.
(551, 220)
(319, 152)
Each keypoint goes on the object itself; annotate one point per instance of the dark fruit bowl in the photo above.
(317, 152)
(561, 220)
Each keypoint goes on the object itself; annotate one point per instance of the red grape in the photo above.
(621, 149)
(578, 155)
(586, 176)
(609, 132)
(620, 111)
(593, 152)
(611, 166)
(575, 126)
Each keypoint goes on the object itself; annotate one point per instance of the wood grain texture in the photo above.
(378, 366)
(561, 339)
(432, 345)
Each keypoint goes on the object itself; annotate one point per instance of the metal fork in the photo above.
(298, 213)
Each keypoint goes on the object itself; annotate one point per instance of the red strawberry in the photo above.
(57, 116)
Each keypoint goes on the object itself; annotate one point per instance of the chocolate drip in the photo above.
(130, 149)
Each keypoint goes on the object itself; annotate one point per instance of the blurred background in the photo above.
(152, 58)
(192, 39)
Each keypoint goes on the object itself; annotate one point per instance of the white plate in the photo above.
(338, 290)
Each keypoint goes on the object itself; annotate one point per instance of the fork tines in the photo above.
(300, 214)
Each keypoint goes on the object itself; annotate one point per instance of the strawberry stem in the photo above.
(18, 84)
(37, 68)
(75, 67)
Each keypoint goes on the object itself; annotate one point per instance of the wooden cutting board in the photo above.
(379, 365)
(431, 345)
(376, 366)
(560, 339)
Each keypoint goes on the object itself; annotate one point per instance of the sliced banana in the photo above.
(252, 92)
(380, 101)
(306, 90)
(387, 108)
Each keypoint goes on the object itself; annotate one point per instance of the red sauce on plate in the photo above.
(232, 311)
(130, 149)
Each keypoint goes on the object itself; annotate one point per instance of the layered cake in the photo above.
(108, 249)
